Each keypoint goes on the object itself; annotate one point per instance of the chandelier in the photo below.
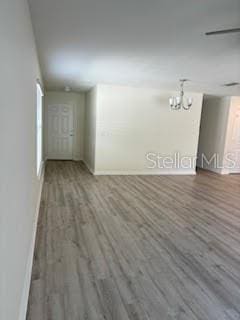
(180, 102)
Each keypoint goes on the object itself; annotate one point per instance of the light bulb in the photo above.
(171, 102)
(178, 100)
(190, 101)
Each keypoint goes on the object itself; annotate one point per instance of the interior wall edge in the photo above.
(88, 167)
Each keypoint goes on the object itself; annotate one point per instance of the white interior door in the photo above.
(60, 132)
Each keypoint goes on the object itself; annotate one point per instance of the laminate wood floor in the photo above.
(136, 247)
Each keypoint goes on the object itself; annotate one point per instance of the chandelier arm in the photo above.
(182, 93)
(186, 107)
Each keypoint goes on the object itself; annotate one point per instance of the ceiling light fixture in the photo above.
(180, 102)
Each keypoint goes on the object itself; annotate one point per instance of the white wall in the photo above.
(232, 142)
(134, 121)
(19, 185)
(77, 100)
(213, 130)
(90, 129)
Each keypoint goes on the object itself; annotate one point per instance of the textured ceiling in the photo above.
(150, 43)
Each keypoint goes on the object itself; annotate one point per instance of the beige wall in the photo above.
(19, 185)
(90, 129)
(212, 139)
(132, 122)
(77, 100)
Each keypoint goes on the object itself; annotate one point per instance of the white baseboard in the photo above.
(145, 172)
(27, 280)
(222, 171)
(233, 171)
(140, 172)
(74, 159)
(77, 157)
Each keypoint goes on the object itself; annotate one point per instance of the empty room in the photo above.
(120, 160)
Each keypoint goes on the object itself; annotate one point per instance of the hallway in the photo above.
(136, 247)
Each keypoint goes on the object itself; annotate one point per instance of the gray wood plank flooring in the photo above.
(136, 247)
